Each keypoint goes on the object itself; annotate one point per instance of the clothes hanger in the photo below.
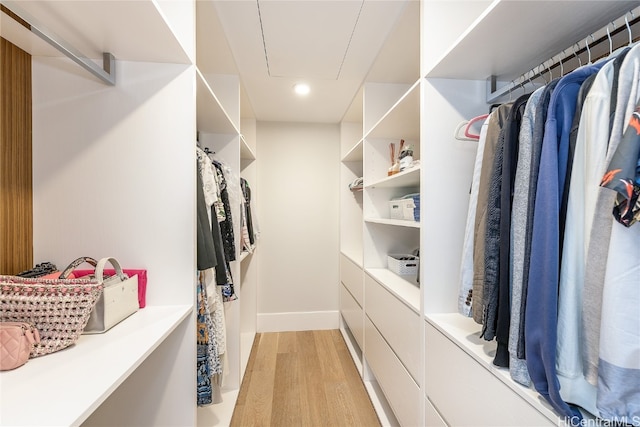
(626, 21)
(467, 135)
(609, 37)
(586, 41)
(576, 54)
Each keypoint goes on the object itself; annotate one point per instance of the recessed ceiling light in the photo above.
(301, 88)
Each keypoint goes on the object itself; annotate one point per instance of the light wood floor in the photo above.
(302, 379)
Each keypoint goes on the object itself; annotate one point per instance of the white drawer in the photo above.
(398, 324)
(465, 393)
(402, 393)
(431, 416)
(351, 276)
(352, 315)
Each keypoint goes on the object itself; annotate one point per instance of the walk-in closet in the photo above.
(454, 204)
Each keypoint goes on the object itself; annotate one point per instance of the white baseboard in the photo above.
(298, 321)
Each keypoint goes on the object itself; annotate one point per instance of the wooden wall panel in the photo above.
(16, 202)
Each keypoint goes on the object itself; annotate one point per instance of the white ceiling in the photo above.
(330, 44)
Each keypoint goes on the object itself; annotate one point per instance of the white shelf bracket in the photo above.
(108, 71)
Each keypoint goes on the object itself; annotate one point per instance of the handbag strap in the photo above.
(65, 273)
(116, 265)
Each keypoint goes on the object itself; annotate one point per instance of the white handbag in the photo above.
(118, 301)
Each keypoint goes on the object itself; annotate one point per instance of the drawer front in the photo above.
(398, 324)
(351, 275)
(466, 393)
(352, 315)
(431, 416)
(402, 393)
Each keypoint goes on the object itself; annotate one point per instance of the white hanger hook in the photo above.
(609, 37)
(576, 54)
(586, 41)
(626, 22)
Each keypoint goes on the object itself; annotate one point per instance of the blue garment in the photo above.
(541, 317)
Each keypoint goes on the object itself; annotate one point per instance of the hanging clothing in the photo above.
(591, 137)
(518, 366)
(465, 295)
(205, 250)
(619, 362)
(496, 122)
(542, 299)
(208, 359)
(600, 233)
(510, 157)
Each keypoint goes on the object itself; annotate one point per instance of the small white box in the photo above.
(402, 209)
(403, 264)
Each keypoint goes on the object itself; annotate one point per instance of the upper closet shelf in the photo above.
(396, 222)
(355, 154)
(406, 178)
(402, 121)
(483, 51)
(212, 118)
(245, 150)
(66, 387)
(130, 30)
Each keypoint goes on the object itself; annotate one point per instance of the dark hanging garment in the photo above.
(509, 164)
(226, 225)
(246, 191)
(206, 254)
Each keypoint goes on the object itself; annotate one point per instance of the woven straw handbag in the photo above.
(58, 308)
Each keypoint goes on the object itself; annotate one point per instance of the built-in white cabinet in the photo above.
(114, 175)
(413, 330)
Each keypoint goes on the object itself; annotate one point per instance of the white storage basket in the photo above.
(403, 264)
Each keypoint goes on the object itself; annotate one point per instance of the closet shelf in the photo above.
(89, 27)
(406, 178)
(246, 153)
(465, 333)
(402, 120)
(65, 387)
(508, 57)
(395, 222)
(212, 117)
(405, 290)
(355, 154)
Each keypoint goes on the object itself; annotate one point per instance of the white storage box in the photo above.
(403, 264)
(402, 209)
(405, 208)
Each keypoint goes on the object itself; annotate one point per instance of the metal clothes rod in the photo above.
(558, 61)
(108, 71)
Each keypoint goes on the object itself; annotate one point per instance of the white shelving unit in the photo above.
(456, 35)
(460, 45)
(379, 308)
(124, 157)
(107, 149)
(232, 137)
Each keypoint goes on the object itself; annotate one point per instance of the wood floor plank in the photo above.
(315, 408)
(302, 379)
(287, 342)
(258, 403)
(286, 392)
(329, 361)
(242, 395)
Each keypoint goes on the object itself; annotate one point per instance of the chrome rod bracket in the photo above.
(108, 71)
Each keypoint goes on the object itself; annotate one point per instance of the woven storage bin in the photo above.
(59, 309)
(403, 264)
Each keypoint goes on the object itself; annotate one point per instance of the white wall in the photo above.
(297, 209)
